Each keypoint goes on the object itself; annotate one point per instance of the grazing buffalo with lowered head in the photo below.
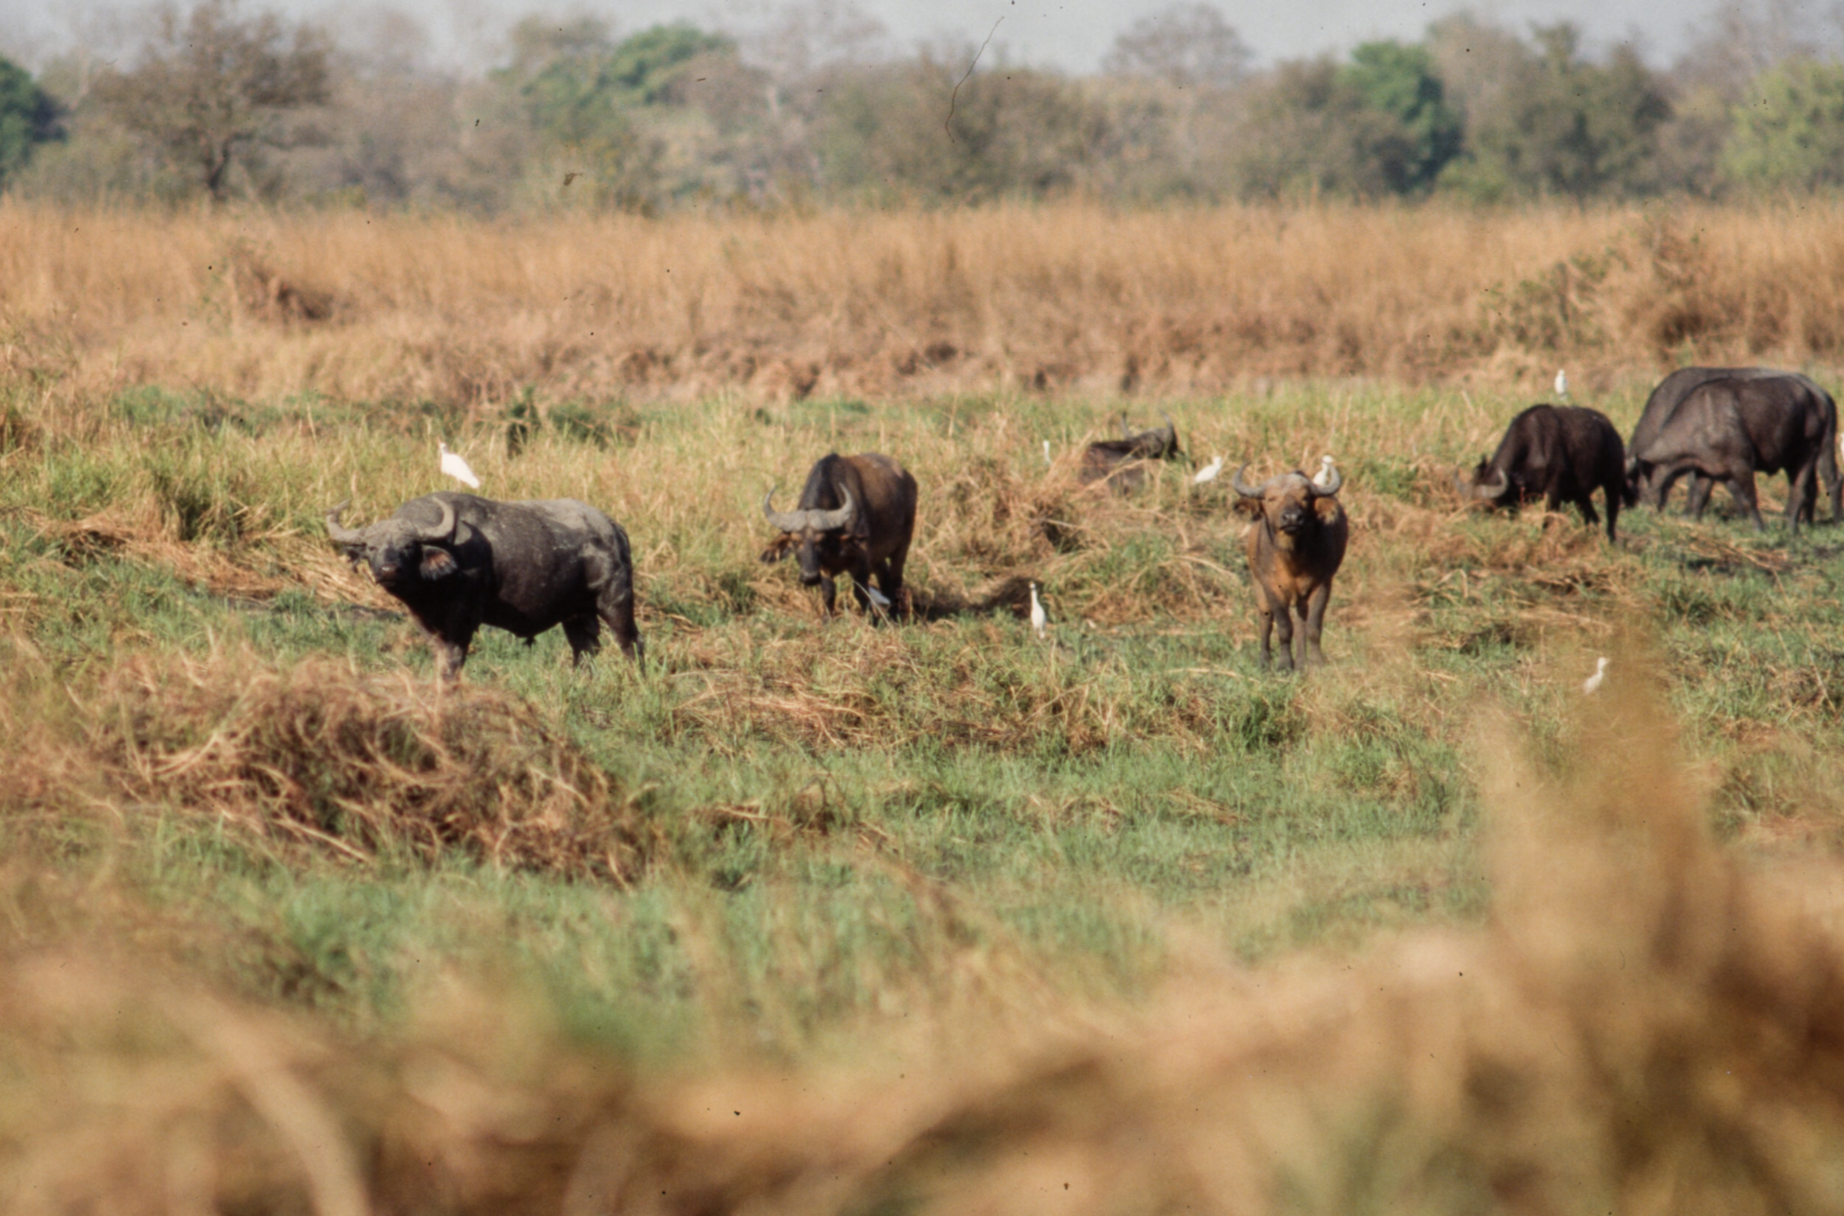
(1730, 429)
(1294, 548)
(1122, 462)
(1670, 394)
(856, 516)
(459, 562)
(1561, 452)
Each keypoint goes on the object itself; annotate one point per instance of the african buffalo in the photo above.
(1732, 428)
(1562, 452)
(459, 562)
(1670, 394)
(1294, 549)
(856, 516)
(1122, 462)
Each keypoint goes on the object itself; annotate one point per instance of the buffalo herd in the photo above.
(458, 561)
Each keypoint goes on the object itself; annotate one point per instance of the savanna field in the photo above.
(810, 917)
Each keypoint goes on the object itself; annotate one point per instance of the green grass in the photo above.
(855, 819)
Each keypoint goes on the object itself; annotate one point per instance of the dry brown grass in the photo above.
(359, 306)
(320, 756)
(1646, 1024)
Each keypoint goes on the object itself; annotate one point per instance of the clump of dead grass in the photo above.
(317, 755)
(1646, 1022)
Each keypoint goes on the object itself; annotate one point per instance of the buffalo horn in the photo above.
(1493, 489)
(444, 529)
(1242, 487)
(828, 521)
(1171, 436)
(341, 535)
(1338, 483)
(787, 521)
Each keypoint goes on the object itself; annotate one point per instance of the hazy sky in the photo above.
(1070, 34)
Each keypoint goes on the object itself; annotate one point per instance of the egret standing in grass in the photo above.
(1039, 618)
(1208, 472)
(1046, 453)
(1562, 384)
(1323, 478)
(455, 467)
(1592, 684)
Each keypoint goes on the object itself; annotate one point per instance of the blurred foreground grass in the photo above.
(784, 840)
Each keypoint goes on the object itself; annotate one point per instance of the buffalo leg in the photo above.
(1282, 617)
(585, 637)
(1741, 489)
(829, 594)
(1266, 614)
(1612, 492)
(1314, 614)
(890, 580)
(1799, 496)
(1589, 516)
(861, 588)
(1698, 497)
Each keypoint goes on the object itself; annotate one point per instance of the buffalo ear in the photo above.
(438, 563)
(1251, 507)
(1326, 507)
(777, 549)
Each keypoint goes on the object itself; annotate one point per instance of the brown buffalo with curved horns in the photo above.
(1294, 548)
(856, 516)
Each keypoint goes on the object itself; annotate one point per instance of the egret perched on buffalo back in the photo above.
(1039, 618)
(455, 467)
(1593, 682)
(1323, 478)
(1208, 472)
(1562, 384)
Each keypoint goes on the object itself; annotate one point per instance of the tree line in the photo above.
(220, 102)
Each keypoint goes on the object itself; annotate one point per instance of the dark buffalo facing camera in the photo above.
(856, 516)
(1763, 421)
(1294, 548)
(458, 562)
(1559, 453)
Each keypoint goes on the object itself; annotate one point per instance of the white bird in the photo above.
(1562, 384)
(1046, 451)
(455, 467)
(877, 598)
(1323, 477)
(1593, 682)
(1208, 472)
(1039, 618)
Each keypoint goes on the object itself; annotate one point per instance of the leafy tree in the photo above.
(1372, 127)
(213, 88)
(28, 117)
(906, 132)
(1402, 82)
(1183, 44)
(1788, 130)
(1554, 124)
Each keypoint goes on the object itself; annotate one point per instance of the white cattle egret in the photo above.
(1593, 682)
(1208, 472)
(1039, 618)
(1046, 451)
(1323, 477)
(1562, 384)
(878, 598)
(455, 467)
